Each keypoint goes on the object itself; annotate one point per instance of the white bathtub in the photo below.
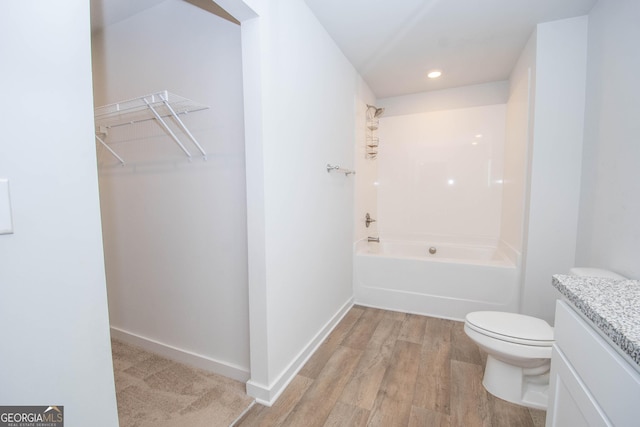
(454, 281)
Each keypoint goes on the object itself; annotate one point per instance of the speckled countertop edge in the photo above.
(612, 305)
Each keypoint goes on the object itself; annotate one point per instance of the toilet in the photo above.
(518, 350)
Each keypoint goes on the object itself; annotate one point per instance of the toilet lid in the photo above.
(512, 327)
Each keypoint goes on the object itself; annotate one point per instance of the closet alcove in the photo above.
(174, 225)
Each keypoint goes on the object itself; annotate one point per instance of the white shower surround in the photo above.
(440, 184)
(440, 173)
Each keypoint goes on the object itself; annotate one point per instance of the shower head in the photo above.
(377, 112)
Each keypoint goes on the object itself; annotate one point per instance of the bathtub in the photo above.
(455, 280)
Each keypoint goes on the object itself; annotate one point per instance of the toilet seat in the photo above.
(511, 327)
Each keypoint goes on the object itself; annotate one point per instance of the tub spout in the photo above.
(373, 239)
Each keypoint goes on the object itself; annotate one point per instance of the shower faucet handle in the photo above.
(368, 220)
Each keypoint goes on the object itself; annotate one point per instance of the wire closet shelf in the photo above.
(158, 106)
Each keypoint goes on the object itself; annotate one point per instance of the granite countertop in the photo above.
(612, 305)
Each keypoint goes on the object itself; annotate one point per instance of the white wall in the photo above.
(174, 230)
(53, 304)
(555, 160)
(440, 174)
(301, 98)
(609, 231)
(516, 150)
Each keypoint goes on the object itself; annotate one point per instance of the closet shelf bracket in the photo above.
(113, 153)
(158, 106)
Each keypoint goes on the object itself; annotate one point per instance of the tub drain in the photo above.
(432, 250)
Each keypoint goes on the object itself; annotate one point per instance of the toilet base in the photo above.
(522, 386)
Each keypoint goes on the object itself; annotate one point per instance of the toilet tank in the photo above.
(595, 272)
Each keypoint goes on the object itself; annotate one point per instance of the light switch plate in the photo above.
(6, 222)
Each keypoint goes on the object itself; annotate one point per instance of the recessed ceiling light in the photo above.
(474, 142)
(479, 135)
(434, 74)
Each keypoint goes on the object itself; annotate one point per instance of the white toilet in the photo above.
(518, 350)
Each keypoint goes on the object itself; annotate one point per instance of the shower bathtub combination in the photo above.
(453, 281)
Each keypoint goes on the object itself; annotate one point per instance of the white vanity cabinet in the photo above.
(591, 383)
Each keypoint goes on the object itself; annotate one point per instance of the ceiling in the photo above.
(394, 44)
(108, 12)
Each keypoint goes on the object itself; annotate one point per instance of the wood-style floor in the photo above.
(388, 369)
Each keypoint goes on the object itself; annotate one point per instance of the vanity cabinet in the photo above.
(591, 383)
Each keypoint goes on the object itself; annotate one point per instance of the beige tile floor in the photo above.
(154, 391)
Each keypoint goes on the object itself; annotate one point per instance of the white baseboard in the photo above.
(268, 394)
(183, 356)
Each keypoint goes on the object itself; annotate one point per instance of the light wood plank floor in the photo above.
(389, 369)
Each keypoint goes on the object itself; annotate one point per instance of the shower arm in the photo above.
(377, 112)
